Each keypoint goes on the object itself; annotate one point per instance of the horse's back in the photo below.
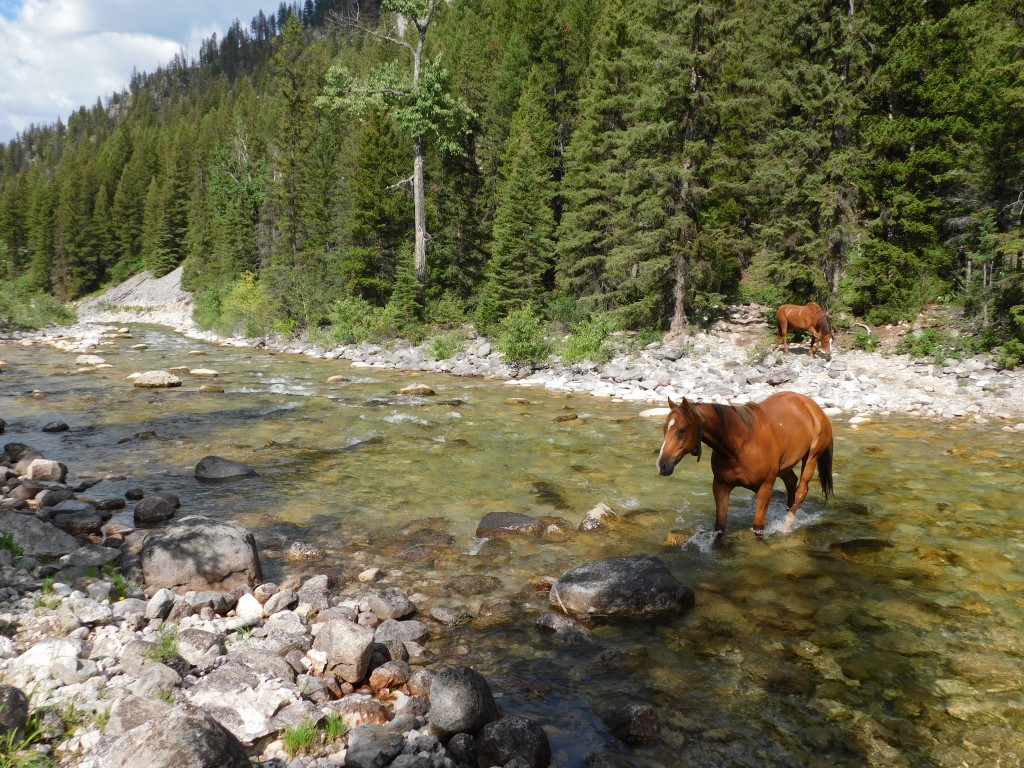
(791, 409)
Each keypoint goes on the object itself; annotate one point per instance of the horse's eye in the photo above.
(681, 432)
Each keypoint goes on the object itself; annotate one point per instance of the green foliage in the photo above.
(122, 585)
(520, 337)
(299, 738)
(8, 544)
(447, 312)
(334, 727)
(937, 343)
(246, 308)
(165, 648)
(22, 307)
(1010, 354)
(446, 345)
(863, 340)
(350, 320)
(589, 341)
(17, 747)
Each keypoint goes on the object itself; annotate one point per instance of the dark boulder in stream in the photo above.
(632, 586)
(215, 469)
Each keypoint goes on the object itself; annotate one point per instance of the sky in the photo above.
(59, 55)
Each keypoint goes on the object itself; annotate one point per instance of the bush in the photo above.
(246, 308)
(520, 337)
(1010, 354)
(350, 320)
(589, 341)
(864, 340)
(22, 307)
(447, 345)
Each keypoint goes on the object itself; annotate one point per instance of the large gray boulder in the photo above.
(631, 586)
(156, 380)
(185, 737)
(348, 648)
(13, 709)
(216, 469)
(202, 554)
(36, 537)
(460, 702)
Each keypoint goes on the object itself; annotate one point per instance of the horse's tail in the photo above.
(825, 471)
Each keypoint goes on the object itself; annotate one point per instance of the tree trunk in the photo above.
(420, 211)
(679, 324)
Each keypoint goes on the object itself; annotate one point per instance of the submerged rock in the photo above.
(215, 468)
(632, 586)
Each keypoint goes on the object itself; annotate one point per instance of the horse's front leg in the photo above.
(789, 478)
(764, 495)
(721, 492)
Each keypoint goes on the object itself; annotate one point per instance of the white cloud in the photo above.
(58, 55)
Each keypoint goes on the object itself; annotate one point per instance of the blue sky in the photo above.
(58, 55)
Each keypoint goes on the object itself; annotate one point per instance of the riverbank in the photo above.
(732, 362)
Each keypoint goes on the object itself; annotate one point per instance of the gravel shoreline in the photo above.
(724, 364)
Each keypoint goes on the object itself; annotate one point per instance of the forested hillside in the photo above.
(639, 162)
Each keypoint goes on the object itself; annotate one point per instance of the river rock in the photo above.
(392, 603)
(46, 469)
(460, 702)
(156, 380)
(84, 522)
(184, 737)
(200, 553)
(347, 647)
(599, 517)
(513, 738)
(631, 586)
(13, 709)
(373, 746)
(152, 509)
(36, 537)
(56, 426)
(215, 468)
(132, 711)
(508, 524)
(632, 723)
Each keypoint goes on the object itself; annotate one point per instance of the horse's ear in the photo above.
(672, 405)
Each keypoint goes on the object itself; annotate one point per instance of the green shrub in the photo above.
(246, 308)
(864, 340)
(349, 320)
(21, 307)
(520, 337)
(1010, 354)
(589, 341)
(447, 345)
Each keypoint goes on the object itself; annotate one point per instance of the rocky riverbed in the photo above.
(165, 646)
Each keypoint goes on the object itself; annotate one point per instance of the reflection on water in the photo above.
(885, 630)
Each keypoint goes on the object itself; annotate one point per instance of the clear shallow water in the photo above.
(886, 630)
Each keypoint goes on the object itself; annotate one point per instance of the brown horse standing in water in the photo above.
(751, 446)
(804, 317)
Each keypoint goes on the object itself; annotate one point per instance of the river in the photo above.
(885, 630)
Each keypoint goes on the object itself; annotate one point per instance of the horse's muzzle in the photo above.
(665, 467)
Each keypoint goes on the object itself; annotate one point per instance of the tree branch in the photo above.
(400, 183)
(349, 19)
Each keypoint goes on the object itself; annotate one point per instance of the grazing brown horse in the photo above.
(752, 445)
(804, 317)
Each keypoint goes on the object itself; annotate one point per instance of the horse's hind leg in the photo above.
(806, 473)
(782, 336)
(789, 478)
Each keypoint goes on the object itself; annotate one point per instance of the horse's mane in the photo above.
(819, 320)
(745, 412)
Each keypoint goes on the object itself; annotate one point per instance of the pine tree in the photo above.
(520, 270)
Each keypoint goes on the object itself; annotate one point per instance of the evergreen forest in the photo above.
(637, 164)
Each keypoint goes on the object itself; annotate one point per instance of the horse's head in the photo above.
(826, 342)
(683, 433)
